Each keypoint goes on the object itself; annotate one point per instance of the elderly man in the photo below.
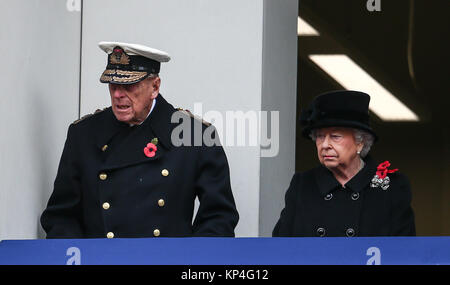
(120, 174)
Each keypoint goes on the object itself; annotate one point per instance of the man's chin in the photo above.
(124, 118)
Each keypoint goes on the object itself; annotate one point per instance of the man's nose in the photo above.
(117, 91)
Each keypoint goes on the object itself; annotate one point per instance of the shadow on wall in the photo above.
(42, 124)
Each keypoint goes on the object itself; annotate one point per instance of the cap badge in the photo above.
(381, 179)
(119, 56)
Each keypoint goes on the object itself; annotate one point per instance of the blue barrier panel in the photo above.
(228, 251)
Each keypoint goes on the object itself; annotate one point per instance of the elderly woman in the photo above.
(349, 194)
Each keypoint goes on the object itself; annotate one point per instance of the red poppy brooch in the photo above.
(150, 150)
(381, 179)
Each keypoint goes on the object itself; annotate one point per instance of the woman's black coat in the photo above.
(316, 204)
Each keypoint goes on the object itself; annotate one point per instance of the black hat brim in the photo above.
(118, 76)
(337, 123)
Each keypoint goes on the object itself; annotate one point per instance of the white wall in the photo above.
(39, 51)
(229, 55)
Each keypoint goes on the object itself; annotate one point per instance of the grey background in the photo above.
(278, 86)
(39, 78)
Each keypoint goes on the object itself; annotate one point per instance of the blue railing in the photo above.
(229, 251)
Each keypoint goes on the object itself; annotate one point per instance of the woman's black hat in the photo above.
(343, 108)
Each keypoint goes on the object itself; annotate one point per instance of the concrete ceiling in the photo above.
(405, 46)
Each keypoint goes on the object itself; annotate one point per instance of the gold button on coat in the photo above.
(103, 176)
(110, 235)
(161, 202)
(165, 172)
(156, 233)
(105, 147)
(106, 205)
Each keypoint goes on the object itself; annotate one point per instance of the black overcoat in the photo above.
(106, 186)
(316, 204)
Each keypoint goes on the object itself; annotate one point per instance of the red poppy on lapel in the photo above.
(381, 179)
(382, 170)
(150, 150)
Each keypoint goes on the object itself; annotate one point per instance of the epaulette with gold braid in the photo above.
(88, 115)
(187, 112)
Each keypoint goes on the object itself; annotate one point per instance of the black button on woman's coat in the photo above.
(320, 232)
(350, 232)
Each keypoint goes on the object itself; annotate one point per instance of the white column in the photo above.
(279, 93)
(39, 54)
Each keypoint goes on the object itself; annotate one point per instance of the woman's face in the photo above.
(337, 148)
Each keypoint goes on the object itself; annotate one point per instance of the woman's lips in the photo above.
(329, 156)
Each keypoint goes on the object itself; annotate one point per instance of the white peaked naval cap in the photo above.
(136, 49)
(130, 63)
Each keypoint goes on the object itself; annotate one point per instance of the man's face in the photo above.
(131, 103)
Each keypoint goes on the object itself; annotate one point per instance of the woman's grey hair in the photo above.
(365, 138)
(361, 136)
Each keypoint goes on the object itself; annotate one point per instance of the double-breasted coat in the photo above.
(107, 186)
(316, 204)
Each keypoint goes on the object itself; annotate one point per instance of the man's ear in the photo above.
(156, 83)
